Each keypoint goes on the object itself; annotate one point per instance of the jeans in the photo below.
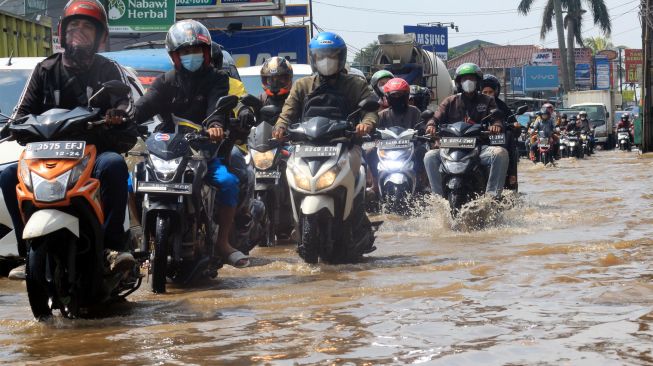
(110, 168)
(496, 157)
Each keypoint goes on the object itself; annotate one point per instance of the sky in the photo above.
(476, 19)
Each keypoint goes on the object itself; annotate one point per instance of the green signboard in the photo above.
(127, 16)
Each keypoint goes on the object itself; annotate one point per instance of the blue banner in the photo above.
(538, 78)
(517, 80)
(251, 47)
(431, 38)
(602, 67)
(583, 75)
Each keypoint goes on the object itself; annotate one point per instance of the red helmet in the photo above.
(396, 85)
(87, 9)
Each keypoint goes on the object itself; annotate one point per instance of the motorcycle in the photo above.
(59, 200)
(523, 141)
(327, 196)
(586, 143)
(269, 157)
(397, 181)
(177, 206)
(623, 136)
(545, 149)
(574, 147)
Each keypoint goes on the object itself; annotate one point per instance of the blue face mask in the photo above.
(192, 62)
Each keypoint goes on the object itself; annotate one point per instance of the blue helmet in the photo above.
(328, 53)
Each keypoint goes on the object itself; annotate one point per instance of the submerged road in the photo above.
(563, 278)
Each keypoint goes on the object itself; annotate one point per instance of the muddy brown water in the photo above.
(563, 278)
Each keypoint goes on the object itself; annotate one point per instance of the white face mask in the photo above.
(469, 86)
(327, 66)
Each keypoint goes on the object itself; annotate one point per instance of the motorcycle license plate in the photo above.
(499, 139)
(164, 188)
(55, 150)
(623, 136)
(267, 175)
(368, 145)
(544, 146)
(393, 144)
(308, 151)
(458, 142)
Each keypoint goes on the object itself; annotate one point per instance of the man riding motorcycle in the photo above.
(546, 125)
(472, 107)
(563, 121)
(491, 87)
(585, 125)
(329, 91)
(377, 82)
(276, 78)
(624, 122)
(191, 91)
(66, 80)
(420, 97)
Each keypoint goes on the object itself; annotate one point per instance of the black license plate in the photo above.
(273, 174)
(308, 151)
(164, 188)
(499, 139)
(458, 142)
(55, 150)
(393, 144)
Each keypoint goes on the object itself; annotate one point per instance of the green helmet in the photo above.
(468, 69)
(381, 74)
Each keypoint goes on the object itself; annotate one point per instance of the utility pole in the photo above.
(557, 6)
(621, 91)
(310, 10)
(647, 121)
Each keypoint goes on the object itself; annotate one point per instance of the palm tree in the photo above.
(598, 43)
(573, 22)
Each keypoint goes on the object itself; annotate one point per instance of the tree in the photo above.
(598, 43)
(573, 23)
(364, 57)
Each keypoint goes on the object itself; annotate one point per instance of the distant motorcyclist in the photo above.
(625, 122)
(420, 97)
(276, 78)
(549, 108)
(472, 107)
(491, 87)
(573, 124)
(586, 126)
(191, 91)
(66, 80)
(563, 121)
(377, 82)
(544, 127)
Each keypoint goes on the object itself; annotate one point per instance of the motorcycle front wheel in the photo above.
(35, 281)
(159, 256)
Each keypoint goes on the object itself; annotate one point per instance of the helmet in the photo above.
(396, 86)
(86, 9)
(625, 116)
(229, 65)
(421, 96)
(468, 69)
(545, 111)
(564, 115)
(188, 33)
(491, 81)
(328, 53)
(582, 114)
(547, 105)
(216, 55)
(381, 74)
(276, 76)
(573, 118)
(538, 113)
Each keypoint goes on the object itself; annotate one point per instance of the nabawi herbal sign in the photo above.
(128, 16)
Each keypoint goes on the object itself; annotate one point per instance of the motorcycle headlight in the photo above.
(23, 172)
(165, 169)
(263, 160)
(77, 171)
(393, 154)
(301, 180)
(327, 179)
(50, 191)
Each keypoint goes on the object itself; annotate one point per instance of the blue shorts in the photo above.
(219, 176)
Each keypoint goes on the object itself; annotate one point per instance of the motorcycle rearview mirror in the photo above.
(521, 110)
(427, 115)
(114, 87)
(226, 103)
(369, 105)
(251, 101)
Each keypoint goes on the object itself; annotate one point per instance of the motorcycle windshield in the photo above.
(167, 146)
(461, 129)
(259, 137)
(56, 124)
(318, 129)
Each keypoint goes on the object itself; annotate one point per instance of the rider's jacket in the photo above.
(314, 96)
(389, 118)
(52, 85)
(460, 107)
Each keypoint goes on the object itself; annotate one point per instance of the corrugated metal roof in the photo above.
(496, 56)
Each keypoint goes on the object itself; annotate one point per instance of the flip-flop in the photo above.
(238, 259)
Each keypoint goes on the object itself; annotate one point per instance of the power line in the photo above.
(412, 13)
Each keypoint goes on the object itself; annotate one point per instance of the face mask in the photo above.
(398, 104)
(192, 62)
(327, 66)
(469, 86)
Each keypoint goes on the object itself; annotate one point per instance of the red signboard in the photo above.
(633, 59)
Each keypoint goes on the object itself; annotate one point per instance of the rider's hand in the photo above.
(279, 132)
(430, 130)
(246, 118)
(115, 116)
(363, 129)
(513, 179)
(495, 129)
(215, 133)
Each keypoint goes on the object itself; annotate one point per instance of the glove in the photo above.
(115, 116)
(246, 118)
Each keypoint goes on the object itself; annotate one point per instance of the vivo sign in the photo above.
(538, 78)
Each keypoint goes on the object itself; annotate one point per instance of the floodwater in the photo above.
(563, 278)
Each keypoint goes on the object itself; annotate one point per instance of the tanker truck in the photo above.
(401, 55)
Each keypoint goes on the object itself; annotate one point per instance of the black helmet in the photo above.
(216, 55)
(420, 96)
(564, 115)
(188, 33)
(491, 81)
(573, 118)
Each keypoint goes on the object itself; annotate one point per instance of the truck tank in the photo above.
(397, 50)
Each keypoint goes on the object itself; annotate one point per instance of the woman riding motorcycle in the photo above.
(191, 91)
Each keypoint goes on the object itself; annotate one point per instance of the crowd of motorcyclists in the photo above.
(198, 83)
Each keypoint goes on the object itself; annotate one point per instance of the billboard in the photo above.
(128, 16)
(583, 76)
(602, 70)
(517, 80)
(633, 58)
(253, 46)
(538, 78)
(431, 38)
(542, 58)
(228, 8)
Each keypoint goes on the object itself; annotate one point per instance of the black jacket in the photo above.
(187, 95)
(52, 85)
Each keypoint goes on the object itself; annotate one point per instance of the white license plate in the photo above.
(309, 151)
(394, 144)
(164, 188)
(499, 139)
(273, 174)
(55, 150)
(458, 142)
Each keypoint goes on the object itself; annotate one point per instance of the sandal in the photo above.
(238, 259)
